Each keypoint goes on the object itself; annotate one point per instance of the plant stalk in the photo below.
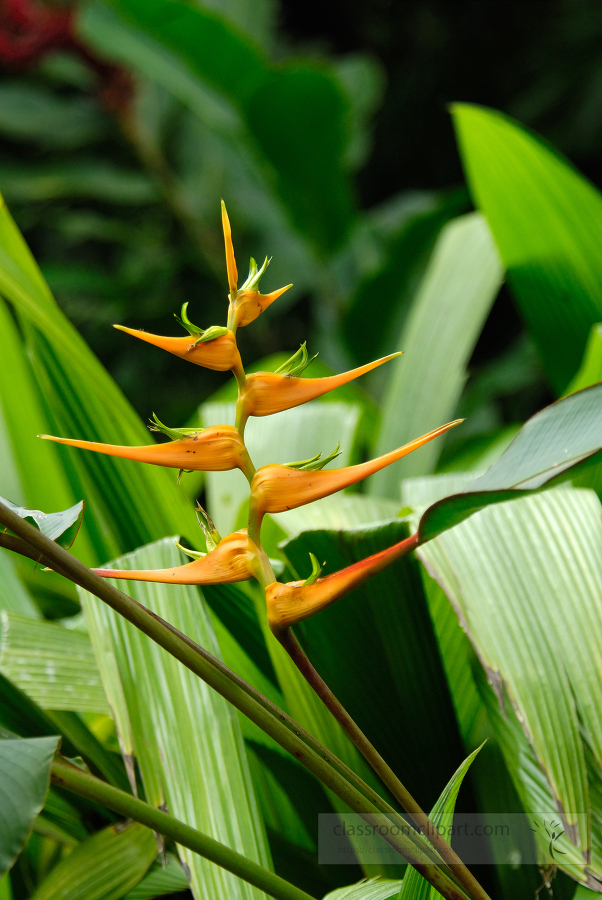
(217, 677)
(67, 776)
(378, 764)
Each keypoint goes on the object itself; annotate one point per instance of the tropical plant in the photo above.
(185, 694)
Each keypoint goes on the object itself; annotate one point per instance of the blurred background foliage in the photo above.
(330, 142)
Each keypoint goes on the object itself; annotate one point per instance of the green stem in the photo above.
(67, 776)
(378, 764)
(320, 762)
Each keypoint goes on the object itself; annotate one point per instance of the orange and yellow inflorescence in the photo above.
(273, 488)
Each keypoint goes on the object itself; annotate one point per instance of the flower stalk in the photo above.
(240, 556)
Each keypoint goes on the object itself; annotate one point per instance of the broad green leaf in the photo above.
(414, 886)
(55, 667)
(38, 475)
(401, 235)
(178, 745)
(456, 293)
(556, 440)
(590, 370)
(504, 570)
(297, 433)
(547, 223)
(340, 511)
(24, 781)
(161, 879)
(368, 647)
(81, 399)
(61, 527)
(104, 867)
(373, 889)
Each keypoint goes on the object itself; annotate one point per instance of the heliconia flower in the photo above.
(266, 393)
(218, 353)
(290, 603)
(246, 303)
(275, 488)
(215, 449)
(232, 560)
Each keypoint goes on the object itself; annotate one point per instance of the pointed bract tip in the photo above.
(45, 437)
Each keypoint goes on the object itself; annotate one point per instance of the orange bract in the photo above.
(220, 354)
(250, 304)
(291, 603)
(266, 393)
(215, 449)
(276, 488)
(232, 560)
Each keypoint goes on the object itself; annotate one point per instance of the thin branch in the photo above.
(192, 656)
(67, 776)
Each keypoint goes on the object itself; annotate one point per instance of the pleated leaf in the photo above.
(525, 578)
(24, 781)
(546, 219)
(186, 738)
(54, 666)
(564, 437)
(374, 889)
(103, 867)
(455, 295)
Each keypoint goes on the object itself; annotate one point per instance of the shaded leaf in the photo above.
(24, 781)
(103, 867)
(458, 288)
(374, 889)
(168, 879)
(546, 219)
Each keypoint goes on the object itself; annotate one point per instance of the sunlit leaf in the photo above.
(59, 526)
(559, 439)
(546, 219)
(54, 666)
(456, 293)
(182, 744)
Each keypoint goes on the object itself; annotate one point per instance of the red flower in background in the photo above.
(29, 30)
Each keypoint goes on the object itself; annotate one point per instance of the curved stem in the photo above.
(382, 769)
(321, 763)
(67, 776)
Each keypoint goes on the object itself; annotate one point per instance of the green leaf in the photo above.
(104, 867)
(24, 781)
(392, 244)
(458, 289)
(13, 595)
(560, 438)
(373, 889)
(179, 745)
(61, 527)
(91, 179)
(161, 879)
(590, 370)
(296, 113)
(414, 886)
(35, 113)
(54, 666)
(547, 223)
(504, 571)
(81, 399)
